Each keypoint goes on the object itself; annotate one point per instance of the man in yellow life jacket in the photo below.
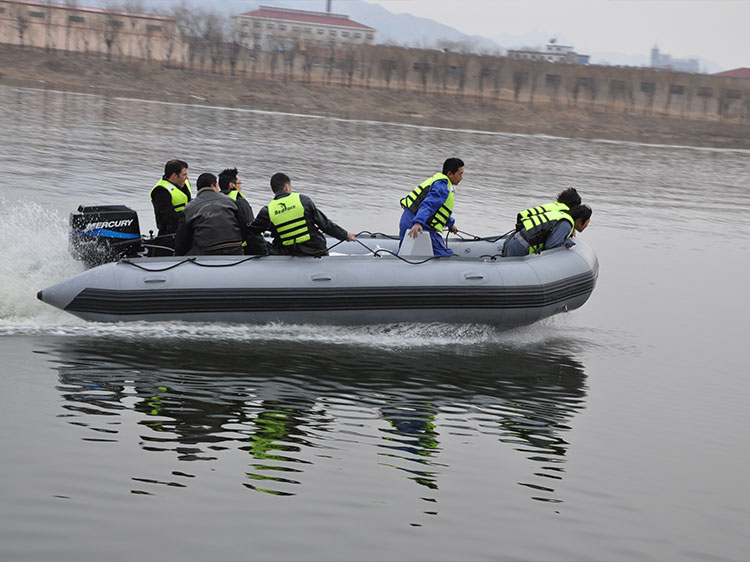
(170, 195)
(231, 186)
(544, 231)
(429, 207)
(295, 222)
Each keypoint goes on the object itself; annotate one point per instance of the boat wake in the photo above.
(33, 255)
(386, 337)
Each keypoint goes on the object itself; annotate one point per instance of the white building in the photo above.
(552, 53)
(666, 62)
(270, 28)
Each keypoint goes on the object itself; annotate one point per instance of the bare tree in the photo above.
(273, 61)
(486, 73)
(191, 23)
(348, 65)
(552, 83)
(402, 68)
(234, 48)
(462, 66)
(364, 64)
(705, 94)
(213, 38)
(617, 91)
(111, 32)
(520, 78)
(48, 36)
(534, 69)
(387, 66)
(673, 90)
(311, 58)
(289, 56)
(649, 89)
(330, 61)
(20, 21)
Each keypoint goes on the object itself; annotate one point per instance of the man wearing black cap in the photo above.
(211, 223)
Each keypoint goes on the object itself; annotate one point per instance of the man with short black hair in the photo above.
(295, 222)
(231, 186)
(548, 230)
(429, 207)
(566, 200)
(170, 195)
(211, 224)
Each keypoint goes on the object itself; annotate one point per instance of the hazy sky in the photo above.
(716, 30)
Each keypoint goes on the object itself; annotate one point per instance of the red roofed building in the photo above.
(270, 28)
(736, 73)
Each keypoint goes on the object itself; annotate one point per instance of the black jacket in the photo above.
(166, 217)
(210, 222)
(316, 222)
(256, 244)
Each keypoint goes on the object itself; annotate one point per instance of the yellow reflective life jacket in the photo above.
(233, 196)
(536, 228)
(538, 210)
(416, 196)
(288, 217)
(179, 199)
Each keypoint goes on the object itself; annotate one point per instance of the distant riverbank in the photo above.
(35, 68)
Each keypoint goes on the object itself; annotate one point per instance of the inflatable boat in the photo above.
(362, 282)
(476, 286)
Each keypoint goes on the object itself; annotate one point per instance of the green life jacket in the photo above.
(415, 198)
(288, 217)
(179, 199)
(536, 228)
(539, 209)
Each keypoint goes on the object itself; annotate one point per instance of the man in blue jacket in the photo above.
(429, 207)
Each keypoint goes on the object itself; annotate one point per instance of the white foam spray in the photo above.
(33, 255)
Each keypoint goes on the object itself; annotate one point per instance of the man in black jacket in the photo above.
(295, 222)
(211, 223)
(170, 195)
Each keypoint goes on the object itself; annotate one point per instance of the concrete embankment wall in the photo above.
(608, 88)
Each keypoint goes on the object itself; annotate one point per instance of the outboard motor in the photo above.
(104, 233)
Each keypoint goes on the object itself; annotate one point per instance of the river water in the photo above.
(615, 432)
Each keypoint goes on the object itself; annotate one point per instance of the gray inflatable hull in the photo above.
(351, 289)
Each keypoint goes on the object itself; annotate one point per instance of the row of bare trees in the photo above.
(204, 41)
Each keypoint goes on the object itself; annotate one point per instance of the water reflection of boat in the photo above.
(288, 404)
(476, 287)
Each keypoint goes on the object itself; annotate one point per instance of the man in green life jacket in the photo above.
(566, 200)
(231, 186)
(544, 231)
(295, 222)
(170, 195)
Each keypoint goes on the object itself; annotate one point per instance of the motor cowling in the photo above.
(104, 233)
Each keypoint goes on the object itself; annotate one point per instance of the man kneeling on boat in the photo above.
(295, 222)
(548, 230)
(211, 223)
(429, 206)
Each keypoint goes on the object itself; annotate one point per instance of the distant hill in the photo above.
(400, 29)
(403, 29)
